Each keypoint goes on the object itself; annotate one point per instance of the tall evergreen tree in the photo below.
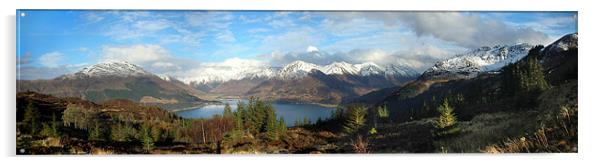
(524, 77)
(355, 119)
(271, 126)
(146, 138)
(282, 126)
(446, 123)
(446, 116)
(227, 111)
(31, 119)
(95, 132)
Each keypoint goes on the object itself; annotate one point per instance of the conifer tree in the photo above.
(271, 126)
(31, 119)
(525, 77)
(446, 123)
(282, 126)
(383, 113)
(146, 138)
(446, 116)
(241, 116)
(95, 132)
(306, 121)
(55, 126)
(355, 119)
(227, 111)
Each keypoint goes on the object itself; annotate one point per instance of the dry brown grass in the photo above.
(559, 134)
(360, 145)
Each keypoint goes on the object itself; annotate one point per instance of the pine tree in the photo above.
(446, 116)
(118, 133)
(282, 126)
(238, 120)
(241, 116)
(525, 77)
(271, 127)
(156, 133)
(31, 118)
(227, 111)
(338, 113)
(306, 121)
(147, 140)
(446, 123)
(355, 119)
(383, 113)
(95, 133)
(55, 126)
(256, 114)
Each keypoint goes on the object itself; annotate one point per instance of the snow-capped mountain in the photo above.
(561, 45)
(298, 69)
(226, 73)
(484, 59)
(116, 69)
(340, 68)
(117, 80)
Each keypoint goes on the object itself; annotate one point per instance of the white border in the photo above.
(589, 129)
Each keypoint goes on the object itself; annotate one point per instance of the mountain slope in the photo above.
(413, 99)
(318, 87)
(115, 80)
(484, 59)
(301, 81)
(559, 59)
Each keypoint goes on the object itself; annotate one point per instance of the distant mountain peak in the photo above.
(340, 68)
(482, 59)
(300, 69)
(112, 68)
(563, 44)
(297, 69)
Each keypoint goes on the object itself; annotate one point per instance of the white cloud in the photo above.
(51, 59)
(247, 19)
(352, 27)
(151, 25)
(165, 67)
(212, 20)
(386, 40)
(238, 62)
(225, 36)
(137, 54)
(469, 30)
(294, 40)
(153, 58)
(462, 29)
(33, 73)
(93, 17)
(228, 69)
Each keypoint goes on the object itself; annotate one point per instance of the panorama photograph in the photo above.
(118, 82)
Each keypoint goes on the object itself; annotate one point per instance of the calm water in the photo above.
(289, 111)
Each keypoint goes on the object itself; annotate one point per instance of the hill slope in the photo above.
(115, 80)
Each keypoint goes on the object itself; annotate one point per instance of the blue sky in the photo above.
(55, 42)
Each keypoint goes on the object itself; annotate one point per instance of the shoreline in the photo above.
(224, 99)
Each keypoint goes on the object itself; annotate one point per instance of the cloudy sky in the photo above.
(177, 43)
